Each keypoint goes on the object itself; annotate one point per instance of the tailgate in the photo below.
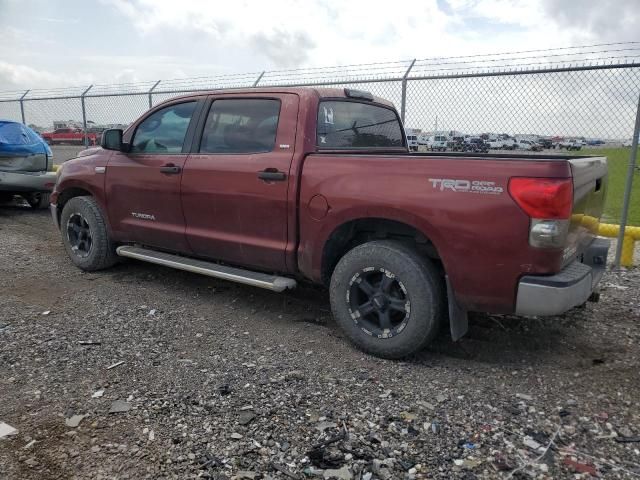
(22, 162)
(589, 192)
(21, 150)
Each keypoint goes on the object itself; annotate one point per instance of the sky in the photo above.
(49, 43)
(46, 44)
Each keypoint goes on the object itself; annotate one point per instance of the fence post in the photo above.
(628, 186)
(255, 84)
(22, 106)
(403, 104)
(151, 91)
(85, 139)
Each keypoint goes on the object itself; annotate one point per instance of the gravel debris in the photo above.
(225, 381)
(120, 406)
(6, 430)
(74, 420)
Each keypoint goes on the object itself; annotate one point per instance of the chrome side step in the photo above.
(256, 279)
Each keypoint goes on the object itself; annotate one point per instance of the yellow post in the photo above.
(631, 235)
(628, 246)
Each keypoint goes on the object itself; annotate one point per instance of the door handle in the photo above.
(272, 174)
(170, 168)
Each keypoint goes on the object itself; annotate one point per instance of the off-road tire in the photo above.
(38, 200)
(424, 289)
(102, 253)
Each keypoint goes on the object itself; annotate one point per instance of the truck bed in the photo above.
(481, 237)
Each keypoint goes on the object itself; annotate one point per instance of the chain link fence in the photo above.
(586, 96)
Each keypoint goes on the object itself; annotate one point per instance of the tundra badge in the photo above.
(143, 216)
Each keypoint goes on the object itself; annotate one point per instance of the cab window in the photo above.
(241, 126)
(163, 131)
(346, 124)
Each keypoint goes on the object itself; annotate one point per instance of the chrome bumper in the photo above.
(27, 181)
(555, 294)
(53, 208)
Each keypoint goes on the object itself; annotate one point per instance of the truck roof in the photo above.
(303, 92)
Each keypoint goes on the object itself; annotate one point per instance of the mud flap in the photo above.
(458, 317)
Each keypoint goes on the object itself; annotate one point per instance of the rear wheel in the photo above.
(388, 299)
(85, 235)
(38, 200)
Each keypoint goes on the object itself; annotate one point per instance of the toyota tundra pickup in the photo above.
(271, 187)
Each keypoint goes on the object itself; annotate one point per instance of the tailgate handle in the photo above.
(598, 185)
(170, 168)
(272, 174)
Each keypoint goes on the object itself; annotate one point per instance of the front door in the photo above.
(143, 185)
(234, 186)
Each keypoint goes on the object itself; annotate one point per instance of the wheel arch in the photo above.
(69, 190)
(358, 230)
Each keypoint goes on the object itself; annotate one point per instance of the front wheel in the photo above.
(85, 235)
(388, 299)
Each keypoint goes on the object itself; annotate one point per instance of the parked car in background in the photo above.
(476, 145)
(73, 136)
(412, 142)
(546, 143)
(437, 143)
(26, 165)
(595, 142)
(456, 144)
(571, 144)
(501, 143)
(530, 145)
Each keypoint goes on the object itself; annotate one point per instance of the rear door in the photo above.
(143, 185)
(235, 183)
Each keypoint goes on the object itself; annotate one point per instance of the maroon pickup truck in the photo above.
(270, 187)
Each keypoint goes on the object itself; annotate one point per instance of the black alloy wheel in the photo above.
(79, 235)
(378, 302)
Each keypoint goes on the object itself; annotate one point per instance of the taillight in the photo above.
(548, 202)
(543, 197)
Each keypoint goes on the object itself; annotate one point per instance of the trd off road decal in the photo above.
(466, 186)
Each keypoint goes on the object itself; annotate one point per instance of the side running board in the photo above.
(239, 275)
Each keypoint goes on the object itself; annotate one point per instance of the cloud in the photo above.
(19, 76)
(284, 49)
(614, 20)
(289, 33)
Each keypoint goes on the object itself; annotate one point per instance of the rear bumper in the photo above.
(27, 181)
(555, 294)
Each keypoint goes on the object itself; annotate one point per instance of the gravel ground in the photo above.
(222, 381)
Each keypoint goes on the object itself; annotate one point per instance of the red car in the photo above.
(270, 187)
(73, 136)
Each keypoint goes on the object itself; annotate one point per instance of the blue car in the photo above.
(26, 165)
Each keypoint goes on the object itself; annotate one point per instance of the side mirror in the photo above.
(112, 140)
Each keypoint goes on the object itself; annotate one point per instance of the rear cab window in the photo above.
(347, 124)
